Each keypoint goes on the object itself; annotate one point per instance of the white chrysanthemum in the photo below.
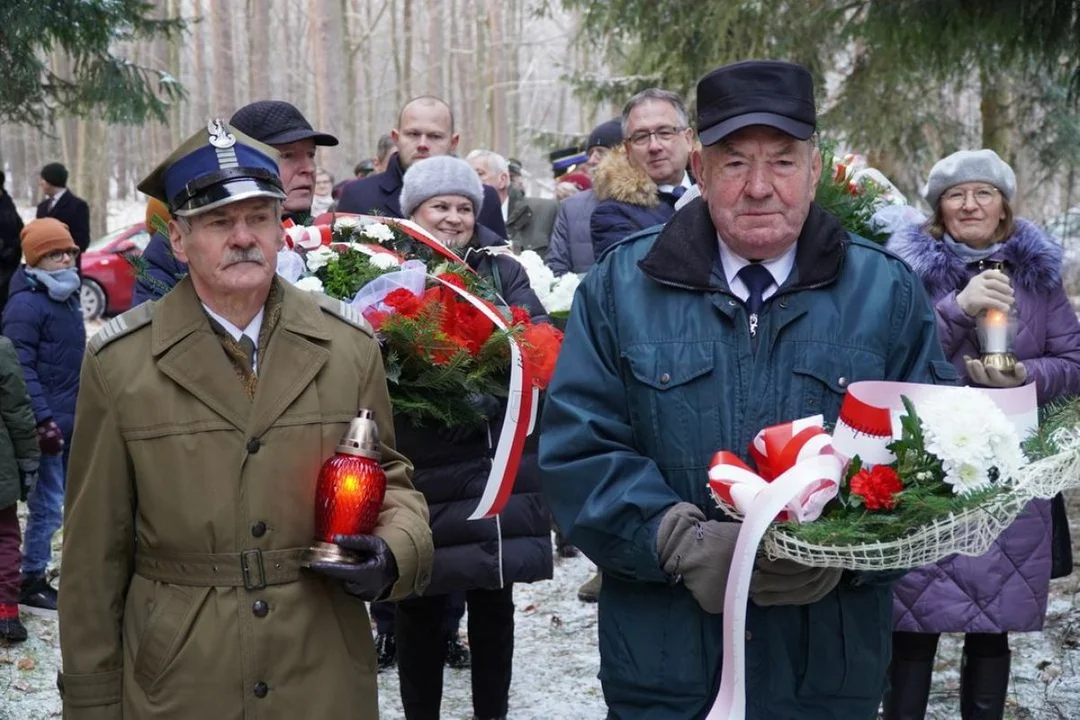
(541, 279)
(384, 261)
(319, 258)
(310, 283)
(346, 223)
(562, 293)
(967, 431)
(378, 231)
(966, 478)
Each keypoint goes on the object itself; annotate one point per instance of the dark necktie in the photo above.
(672, 196)
(248, 346)
(757, 279)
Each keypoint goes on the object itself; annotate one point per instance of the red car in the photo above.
(108, 276)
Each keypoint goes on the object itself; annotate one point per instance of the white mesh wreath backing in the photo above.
(966, 533)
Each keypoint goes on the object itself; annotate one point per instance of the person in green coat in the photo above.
(751, 307)
(19, 455)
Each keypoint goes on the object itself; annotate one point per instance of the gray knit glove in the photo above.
(697, 552)
(783, 582)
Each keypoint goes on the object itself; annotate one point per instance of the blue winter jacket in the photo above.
(162, 272)
(49, 337)
(657, 372)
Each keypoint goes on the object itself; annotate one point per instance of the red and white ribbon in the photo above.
(775, 451)
(870, 415)
(518, 423)
(797, 475)
(307, 237)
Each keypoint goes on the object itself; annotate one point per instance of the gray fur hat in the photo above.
(970, 166)
(439, 175)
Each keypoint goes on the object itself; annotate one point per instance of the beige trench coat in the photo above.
(187, 505)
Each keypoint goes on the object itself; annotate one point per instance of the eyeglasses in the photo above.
(664, 135)
(958, 198)
(58, 255)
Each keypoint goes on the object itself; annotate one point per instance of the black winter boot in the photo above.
(909, 689)
(984, 683)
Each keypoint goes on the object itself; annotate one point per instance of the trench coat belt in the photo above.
(252, 569)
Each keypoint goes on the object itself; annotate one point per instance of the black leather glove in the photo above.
(28, 475)
(372, 577)
(27, 481)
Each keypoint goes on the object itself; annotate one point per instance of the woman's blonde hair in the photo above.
(1005, 229)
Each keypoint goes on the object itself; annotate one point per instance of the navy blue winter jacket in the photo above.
(49, 337)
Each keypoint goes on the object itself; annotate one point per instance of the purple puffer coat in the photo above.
(1005, 589)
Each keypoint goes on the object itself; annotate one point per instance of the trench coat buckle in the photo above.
(251, 564)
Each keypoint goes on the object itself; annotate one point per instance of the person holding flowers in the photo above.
(974, 257)
(750, 308)
(484, 558)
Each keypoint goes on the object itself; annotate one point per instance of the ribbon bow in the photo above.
(800, 448)
(307, 237)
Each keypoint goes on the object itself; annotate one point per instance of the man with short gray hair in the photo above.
(752, 307)
(638, 188)
(528, 220)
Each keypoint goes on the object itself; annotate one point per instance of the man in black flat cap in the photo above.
(284, 128)
(751, 307)
(279, 125)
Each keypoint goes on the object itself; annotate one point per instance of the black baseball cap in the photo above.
(606, 134)
(276, 122)
(756, 92)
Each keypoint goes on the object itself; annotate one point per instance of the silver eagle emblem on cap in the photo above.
(220, 137)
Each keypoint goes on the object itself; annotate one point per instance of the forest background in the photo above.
(110, 87)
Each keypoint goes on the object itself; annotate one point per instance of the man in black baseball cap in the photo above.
(750, 308)
(283, 127)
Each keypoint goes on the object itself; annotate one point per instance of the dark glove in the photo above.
(783, 582)
(50, 439)
(372, 576)
(27, 481)
(698, 552)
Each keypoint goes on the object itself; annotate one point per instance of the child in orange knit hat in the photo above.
(44, 321)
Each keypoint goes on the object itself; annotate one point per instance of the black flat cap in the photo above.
(276, 122)
(606, 134)
(756, 92)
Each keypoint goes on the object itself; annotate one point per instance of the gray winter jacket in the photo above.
(571, 248)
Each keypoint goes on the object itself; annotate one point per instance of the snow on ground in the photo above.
(121, 213)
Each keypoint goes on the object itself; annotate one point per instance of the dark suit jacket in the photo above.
(380, 193)
(73, 212)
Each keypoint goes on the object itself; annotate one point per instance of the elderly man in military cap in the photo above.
(751, 307)
(201, 425)
(281, 126)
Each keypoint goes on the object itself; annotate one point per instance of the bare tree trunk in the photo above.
(259, 44)
(399, 85)
(407, 28)
(224, 99)
(436, 51)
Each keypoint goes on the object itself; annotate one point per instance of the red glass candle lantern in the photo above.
(350, 491)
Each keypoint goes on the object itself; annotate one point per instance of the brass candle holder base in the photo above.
(325, 552)
(1003, 362)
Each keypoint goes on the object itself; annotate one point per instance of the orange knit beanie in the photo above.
(42, 236)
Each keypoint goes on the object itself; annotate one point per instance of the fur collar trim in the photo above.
(1034, 259)
(617, 179)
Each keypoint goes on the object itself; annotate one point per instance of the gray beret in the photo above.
(439, 175)
(970, 166)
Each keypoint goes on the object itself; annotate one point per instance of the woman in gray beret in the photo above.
(483, 558)
(973, 255)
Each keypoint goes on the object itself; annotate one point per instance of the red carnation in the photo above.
(520, 316)
(541, 344)
(453, 279)
(404, 302)
(877, 487)
(375, 317)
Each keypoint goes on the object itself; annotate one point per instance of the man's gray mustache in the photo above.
(252, 254)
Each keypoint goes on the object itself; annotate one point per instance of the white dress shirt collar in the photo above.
(685, 183)
(252, 331)
(779, 267)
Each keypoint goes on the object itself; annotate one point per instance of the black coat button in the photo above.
(260, 608)
(258, 529)
(253, 446)
(260, 690)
